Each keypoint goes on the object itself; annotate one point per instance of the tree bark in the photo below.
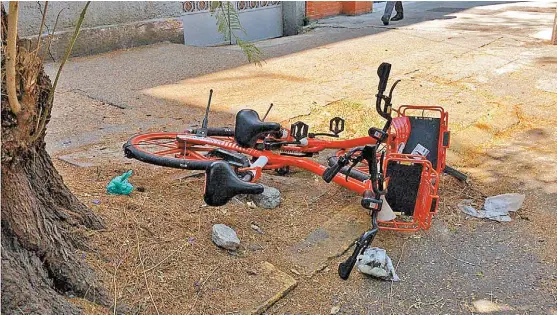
(43, 243)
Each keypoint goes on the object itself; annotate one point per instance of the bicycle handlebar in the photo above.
(341, 162)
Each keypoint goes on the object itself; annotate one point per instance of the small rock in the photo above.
(140, 188)
(96, 201)
(335, 309)
(257, 228)
(268, 199)
(225, 237)
(251, 272)
(251, 205)
(294, 271)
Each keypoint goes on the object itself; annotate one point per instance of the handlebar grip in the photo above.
(331, 172)
(344, 268)
(383, 72)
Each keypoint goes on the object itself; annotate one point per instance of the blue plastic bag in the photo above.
(119, 185)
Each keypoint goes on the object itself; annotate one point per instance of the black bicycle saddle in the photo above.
(249, 127)
(222, 184)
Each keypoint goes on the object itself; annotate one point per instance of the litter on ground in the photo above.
(495, 207)
(376, 263)
(119, 185)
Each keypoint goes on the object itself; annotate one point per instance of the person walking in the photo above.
(389, 10)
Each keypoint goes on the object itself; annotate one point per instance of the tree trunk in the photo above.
(42, 221)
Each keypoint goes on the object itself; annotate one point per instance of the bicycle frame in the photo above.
(277, 159)
(421, 220)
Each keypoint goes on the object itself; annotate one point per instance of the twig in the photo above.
(11, 56)
(66, 56)
(401, 253)
(41, 27)
(50, 36)
(200, 288)
(69, 48)
(114, 284)
(209, 276)
(396, 267)
(116, 267)
(164, 259)
(455, 258)
(144, 273)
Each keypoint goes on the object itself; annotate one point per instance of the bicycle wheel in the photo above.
(165, 149)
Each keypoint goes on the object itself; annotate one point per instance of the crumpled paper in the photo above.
(376, 263)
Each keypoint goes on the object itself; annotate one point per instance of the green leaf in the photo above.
(228, 24)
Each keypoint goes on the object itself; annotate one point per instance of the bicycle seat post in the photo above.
(202, 132)
(267, 113)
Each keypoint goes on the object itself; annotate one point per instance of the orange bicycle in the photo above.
(403, 173)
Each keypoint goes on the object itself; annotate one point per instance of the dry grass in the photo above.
(358, 118)
(169, 225)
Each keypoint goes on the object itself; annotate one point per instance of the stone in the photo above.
(268, 199)
(256, 228)
(280, 284)
(225, 237)
(251, 205)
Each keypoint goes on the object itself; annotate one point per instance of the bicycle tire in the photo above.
(133, 150)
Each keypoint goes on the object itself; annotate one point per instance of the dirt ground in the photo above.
(444, 270)
(485, 64)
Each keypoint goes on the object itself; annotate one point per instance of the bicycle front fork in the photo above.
(362, 244)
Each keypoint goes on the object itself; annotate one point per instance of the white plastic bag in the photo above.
(503, 203)
(495, 208)
(375, 262)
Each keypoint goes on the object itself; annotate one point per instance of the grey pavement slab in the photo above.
(329, 241)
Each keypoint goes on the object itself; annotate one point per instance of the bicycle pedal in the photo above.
(299, 130)
(336, 125)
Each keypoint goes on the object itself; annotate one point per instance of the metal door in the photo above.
(260, 19)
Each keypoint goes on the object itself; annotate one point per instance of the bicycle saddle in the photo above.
(249, 127)
(222, 184)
